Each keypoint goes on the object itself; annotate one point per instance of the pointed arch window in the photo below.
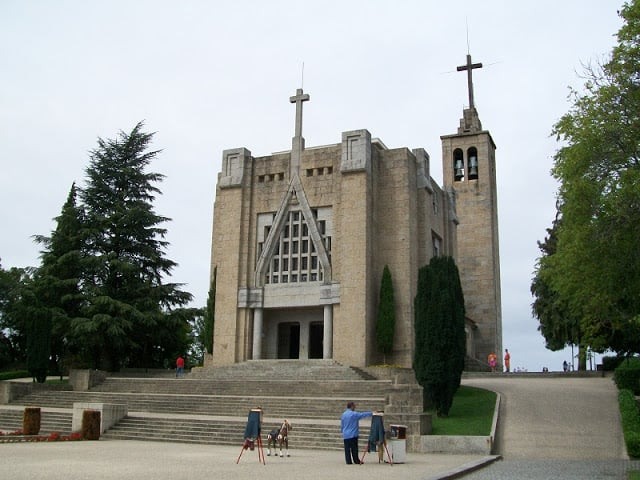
(295, 258)
(472, 155)
(458, 165)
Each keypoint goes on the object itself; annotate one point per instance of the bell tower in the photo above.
(469, 169)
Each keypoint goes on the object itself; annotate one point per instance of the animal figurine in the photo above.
(279, 436)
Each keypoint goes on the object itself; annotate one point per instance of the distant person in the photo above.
(507, 360)
(350, 427)
(565, 366)
(179, 367)
(492, 359)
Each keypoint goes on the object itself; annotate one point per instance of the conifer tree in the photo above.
(57, 281)
(210, 314)
(127, 311)
(385, 326)
(439, 332)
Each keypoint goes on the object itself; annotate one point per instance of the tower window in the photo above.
(436, 243)
(472, 155)
(458, 165)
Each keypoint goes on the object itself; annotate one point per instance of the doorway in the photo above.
(288, 340)
(316, 336)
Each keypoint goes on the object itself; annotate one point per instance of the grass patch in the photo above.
(634, 475)
(57, 381)
(470, 414)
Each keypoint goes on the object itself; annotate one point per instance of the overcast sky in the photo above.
(208, 76)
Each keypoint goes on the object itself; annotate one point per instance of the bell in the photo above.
(458, 170)
(473, 167)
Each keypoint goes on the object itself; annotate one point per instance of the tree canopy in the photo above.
(594, 272)
(99, 298)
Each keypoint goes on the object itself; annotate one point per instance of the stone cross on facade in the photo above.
(298, 98)
(469, 67)
(298, 140)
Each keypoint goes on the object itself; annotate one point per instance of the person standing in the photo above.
(507, 360)
(493, 361)
(180, 366)
(350, 427)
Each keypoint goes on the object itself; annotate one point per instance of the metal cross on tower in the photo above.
(469, 67)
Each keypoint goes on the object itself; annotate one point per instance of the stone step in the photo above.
(209, 405)
(266, 387)
(217, 432)
(305, 407)
(11, 420)
(281, 369)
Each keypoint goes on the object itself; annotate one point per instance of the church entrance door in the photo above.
(289, 340)
(316, 335)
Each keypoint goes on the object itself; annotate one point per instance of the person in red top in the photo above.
(179, 367)
(507, 360)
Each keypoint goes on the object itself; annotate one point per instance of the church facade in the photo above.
(301, 238)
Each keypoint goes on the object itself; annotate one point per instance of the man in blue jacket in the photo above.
(349, 424)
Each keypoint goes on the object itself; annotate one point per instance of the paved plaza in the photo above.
(121, 459)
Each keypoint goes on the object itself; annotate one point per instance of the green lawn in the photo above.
(470, 414)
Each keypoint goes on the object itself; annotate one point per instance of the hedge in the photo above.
(630, 414)
(627, 375)
(15, 374)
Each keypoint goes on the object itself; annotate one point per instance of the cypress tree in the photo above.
(439, 332)
(210, 314)
(58, 277)
(385, 325)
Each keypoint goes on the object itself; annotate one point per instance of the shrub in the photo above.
(91, 425)
(609, 364)
(627, 375)
(14, 374)
(31, 421)
(630, 414)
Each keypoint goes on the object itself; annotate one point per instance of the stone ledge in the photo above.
(110, 414)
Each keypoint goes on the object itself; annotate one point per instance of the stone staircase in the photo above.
(50, 421)
(210, 406)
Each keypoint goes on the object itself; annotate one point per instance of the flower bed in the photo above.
(19, 436)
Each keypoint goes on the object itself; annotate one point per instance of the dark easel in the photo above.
(376, 437)
(252, 438)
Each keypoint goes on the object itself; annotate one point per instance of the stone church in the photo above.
(300, 240)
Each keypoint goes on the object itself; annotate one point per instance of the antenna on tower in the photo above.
(466, 19)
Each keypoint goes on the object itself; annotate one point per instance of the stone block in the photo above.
(356, 151)
(11, 390)
(83, 380)
(110, 414)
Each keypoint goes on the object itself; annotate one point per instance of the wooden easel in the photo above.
(253, 431)
(382, 446)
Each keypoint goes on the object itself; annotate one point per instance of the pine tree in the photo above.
(57, 281)
(128, 307)
(385, 326)
(439, 332)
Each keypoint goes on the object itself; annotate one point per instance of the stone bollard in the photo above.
(31, 421)
(91, 425)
